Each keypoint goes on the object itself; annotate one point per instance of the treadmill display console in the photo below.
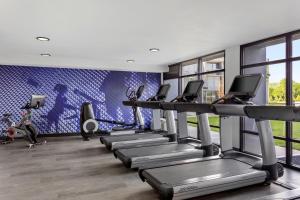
(163, 91)
(245, 85)
(139, 92)
(193, 88)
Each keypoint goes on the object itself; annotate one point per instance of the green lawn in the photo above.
(213, 120)
(277, 126)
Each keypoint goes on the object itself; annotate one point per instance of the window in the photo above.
(210, 69)
(191, 116)
(296, 82)
(213, 87)
(173, 92)
(213, 62)
(272, 89)
(264, 52)
(296, 99)
(189, 67)
(296, 45)
(278, 60)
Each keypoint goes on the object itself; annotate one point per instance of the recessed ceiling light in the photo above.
(42, 38)
(45, 54)
(130, 61)
(154, 49)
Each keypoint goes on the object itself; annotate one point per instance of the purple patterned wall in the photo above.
(66, 89)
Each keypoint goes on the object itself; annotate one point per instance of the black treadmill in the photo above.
(182, 149)
(113, 142)
(231, 169)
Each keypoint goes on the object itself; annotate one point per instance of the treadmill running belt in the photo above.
(202, 178)
(155, 150)
(200, 171)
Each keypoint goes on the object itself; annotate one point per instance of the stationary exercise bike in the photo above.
(10, 131)
(25, 127)
(90, 125)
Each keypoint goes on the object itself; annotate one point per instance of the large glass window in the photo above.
(272, 92)
(281, 86)
(252, 145)
(213, 87)
(189, 67)
(211, 70)
(264, 52)
(213, 62)
(191, 116)
(296, 101)
(296, 153)
(173, 92)
(296, 82)
(296, 45)
(273, 87)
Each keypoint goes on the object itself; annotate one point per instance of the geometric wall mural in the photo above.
(66, 89)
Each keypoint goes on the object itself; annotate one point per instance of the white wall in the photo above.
(173, 92)
(231, 126)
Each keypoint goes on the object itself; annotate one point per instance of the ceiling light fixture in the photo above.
(130, 61)
(42, 38)
(45, 54)
(154, 49)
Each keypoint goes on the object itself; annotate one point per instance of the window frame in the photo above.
(198, 74)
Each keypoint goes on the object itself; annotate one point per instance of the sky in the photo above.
(276, 52)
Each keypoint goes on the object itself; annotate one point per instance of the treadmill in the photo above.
(157, 136)
(283, 113)
(185, 147)
(231, 169)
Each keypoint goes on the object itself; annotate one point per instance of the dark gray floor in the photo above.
(68, 168)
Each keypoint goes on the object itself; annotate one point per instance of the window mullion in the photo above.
(289, 99)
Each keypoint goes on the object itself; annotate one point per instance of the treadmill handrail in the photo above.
(282, 113)
(148, 104)
(193, 107)
(129, 103)
(229, 109)
(167, 105)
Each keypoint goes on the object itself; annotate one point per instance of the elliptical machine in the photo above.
(25, 127)
(89, 125)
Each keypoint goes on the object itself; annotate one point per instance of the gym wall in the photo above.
(66, 89)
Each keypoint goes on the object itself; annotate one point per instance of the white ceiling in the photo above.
(105, 33)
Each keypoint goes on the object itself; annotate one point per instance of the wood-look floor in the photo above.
(69, 168)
